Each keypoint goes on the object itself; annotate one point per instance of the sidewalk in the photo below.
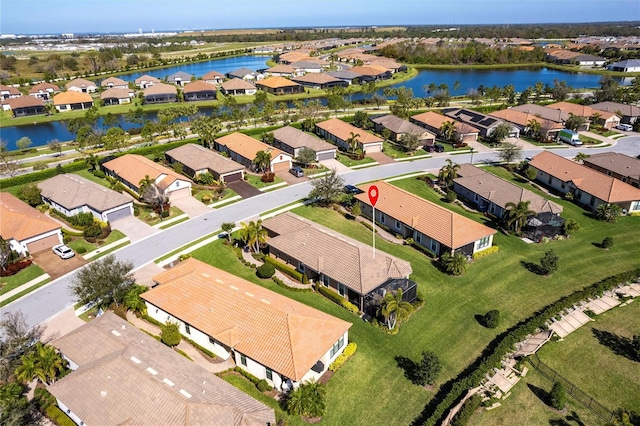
(24, 287)
(603, 139)
(285, 279)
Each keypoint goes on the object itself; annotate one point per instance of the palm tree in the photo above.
(595, 119)
(448, 173)
(608, 212)
(253, 234)
(447, 130)
(307, 400)
(533, 128)
(517, 214)
(28, 369)
(50, 362)
(262, 161)
(580, 157)
(353, 141)
(454, 264)
(144, 184)
(393, 308)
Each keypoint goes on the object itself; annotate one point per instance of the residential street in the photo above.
(54, 297)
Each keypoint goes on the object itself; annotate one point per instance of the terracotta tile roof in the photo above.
(272, 329)
(523, 118)
(316, 78)
(183, 76)
(199, 86)
(449, 228)
(133, 168)
(197, 157)
(617, 163)
(624, 109)
(435, 120)
(11, 90)
(80, 82)
(113, 81)
(310, 63)
(247, 146)
(44, 86)
(160, 89)
(580, 110)
(343, 131)
(599, 185)
(213, 75)
(276, 82)
(281, 69)
(387, 63)
(297, 139)
(127, 378)
(116, 93)
(24, 102)
(71, 97)
(20, 221)
(73, 191)
(399, 125)
(544, 112)
(237, 84)
(369, 70)
(147, 78)
(500, 192)
(344, 259)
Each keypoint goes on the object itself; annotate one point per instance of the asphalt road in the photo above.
(55, 297)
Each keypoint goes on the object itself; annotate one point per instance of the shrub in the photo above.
(165, 214)
(335, 297)
(530, 173)
(268, 177)
(486, 252)
(263, 386)
(14, 268)
(266, 270)
(30, 194)
(285, 269)
(40, 165)
(549, 263)
(184, 257)
(428, 369)
(206, 199)
(343, 357)
(451, 196)
(92, 231)
(570, 227)
(170, 334)
(307, 400)
(557, 396)
(82, 219)
(491, 319)
(99, 173)
(467, 410)
(81, 250)
(607, 243)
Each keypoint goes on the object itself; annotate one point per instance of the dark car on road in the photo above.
(351, 189)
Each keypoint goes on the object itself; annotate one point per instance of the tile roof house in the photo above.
(8, 92)
(146, 81)
(628, 65)
(608, 119)
(117, 96)
(269, 335)
(237, 86)
(72, 194)
(589, 187)
(279, 86)
(343, 264)
(339, 132)
(179, 78)
(243, 74)
(25, 228)
(310, 65)
(43, 90)
(196, 159)
(485, 123)
(434, 227)
(280, 71)
(620, 166)
(114, 83)
(552, 114)
(81, 85)
(243, 149)
(628, 113)
(25, 105)
(432, 121)
(130, 169)
(398, 127)
(160, 93)
(548, 129)
(70, 101)
(199, 91)
(319, 81)
(344, 75)
(121, 376)
(213, 77)
(291, 140)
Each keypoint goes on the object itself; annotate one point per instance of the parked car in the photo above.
(63, 251)
(625, 127)
(351, 189)
(434, 148)
(297, 171)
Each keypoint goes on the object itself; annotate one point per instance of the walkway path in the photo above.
(285, 279)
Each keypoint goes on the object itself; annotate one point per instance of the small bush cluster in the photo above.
(467, 410)
(607, 243)
(557, 396)
(170, 334)
(81, 250)
(253, 379)
(343, 357)
(165, 214)
(238, 252)
(200, 348)
(335, 297)
(266, 270)
(491, 319)
(268, 177)
(99, 174)
(281, 283)
(15, 267)
(285, 269)
(183, 257)
(486, 252)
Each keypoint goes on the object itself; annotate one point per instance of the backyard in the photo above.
(371, 388)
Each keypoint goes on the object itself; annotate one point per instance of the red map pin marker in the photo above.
(373, 195)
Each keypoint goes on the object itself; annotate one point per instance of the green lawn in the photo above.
(255, 181)
(27, 274)
(589, 141)
(150, 217)
(88, 175)
(249, 388)
(394, 151)
(79, 242)
(227, 193)
(350, 163)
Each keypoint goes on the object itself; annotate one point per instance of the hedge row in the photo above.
(281, 283)
(285, 269)
(335, 297)
(41, 175)
(505, 344)
(343, 357)
(200, 348)
(261, 384)
(486, 252)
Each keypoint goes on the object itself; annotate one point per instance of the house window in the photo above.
(325, 280)
(492, 208)
(301, 267)
(592, 200)
(635, 205)
(212, 340)
(187, 328)
(562, 186)
(268, 373)
(336, 347)
(550, 180)
(475, 197)
(434, 246)
(398, 225)
(381, 217)
(341, 289)
(484, 242)
(243, 360)
(418, 237)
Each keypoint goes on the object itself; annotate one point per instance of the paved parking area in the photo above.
(191, 206)
(243, 189)
(133, 228)
(381, 157)
(289, 178)
(62, 323)
(335, 164)
(54, 266)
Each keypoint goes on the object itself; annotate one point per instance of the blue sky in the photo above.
(78, 16)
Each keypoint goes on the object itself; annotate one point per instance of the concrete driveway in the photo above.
(289, 178)
(335, 164)
(54, 266)
(381, 157)
(191, 206)
(133, 228)
(243, 189)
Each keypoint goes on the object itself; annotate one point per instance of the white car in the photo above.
(626, 127)
(63, 251)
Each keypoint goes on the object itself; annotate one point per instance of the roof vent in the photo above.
(248, 294)
(185, 393)
(265, 301)
(115, 333)
(152, 371)
(205, 275)
(232, 287)
(168, 382)
(136, 360)
(218, 280)
(103, 393)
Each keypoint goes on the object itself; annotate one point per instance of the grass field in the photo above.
(22, 277)
(371, 388)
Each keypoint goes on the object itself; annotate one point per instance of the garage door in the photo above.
(513, 134)
(43, 244)
(471, 137)
(233, 177)
(373, 148)
(118, 214)
(279, 167)
(180, 193)
(326, 155)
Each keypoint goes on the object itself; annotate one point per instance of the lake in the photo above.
(40, 134)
